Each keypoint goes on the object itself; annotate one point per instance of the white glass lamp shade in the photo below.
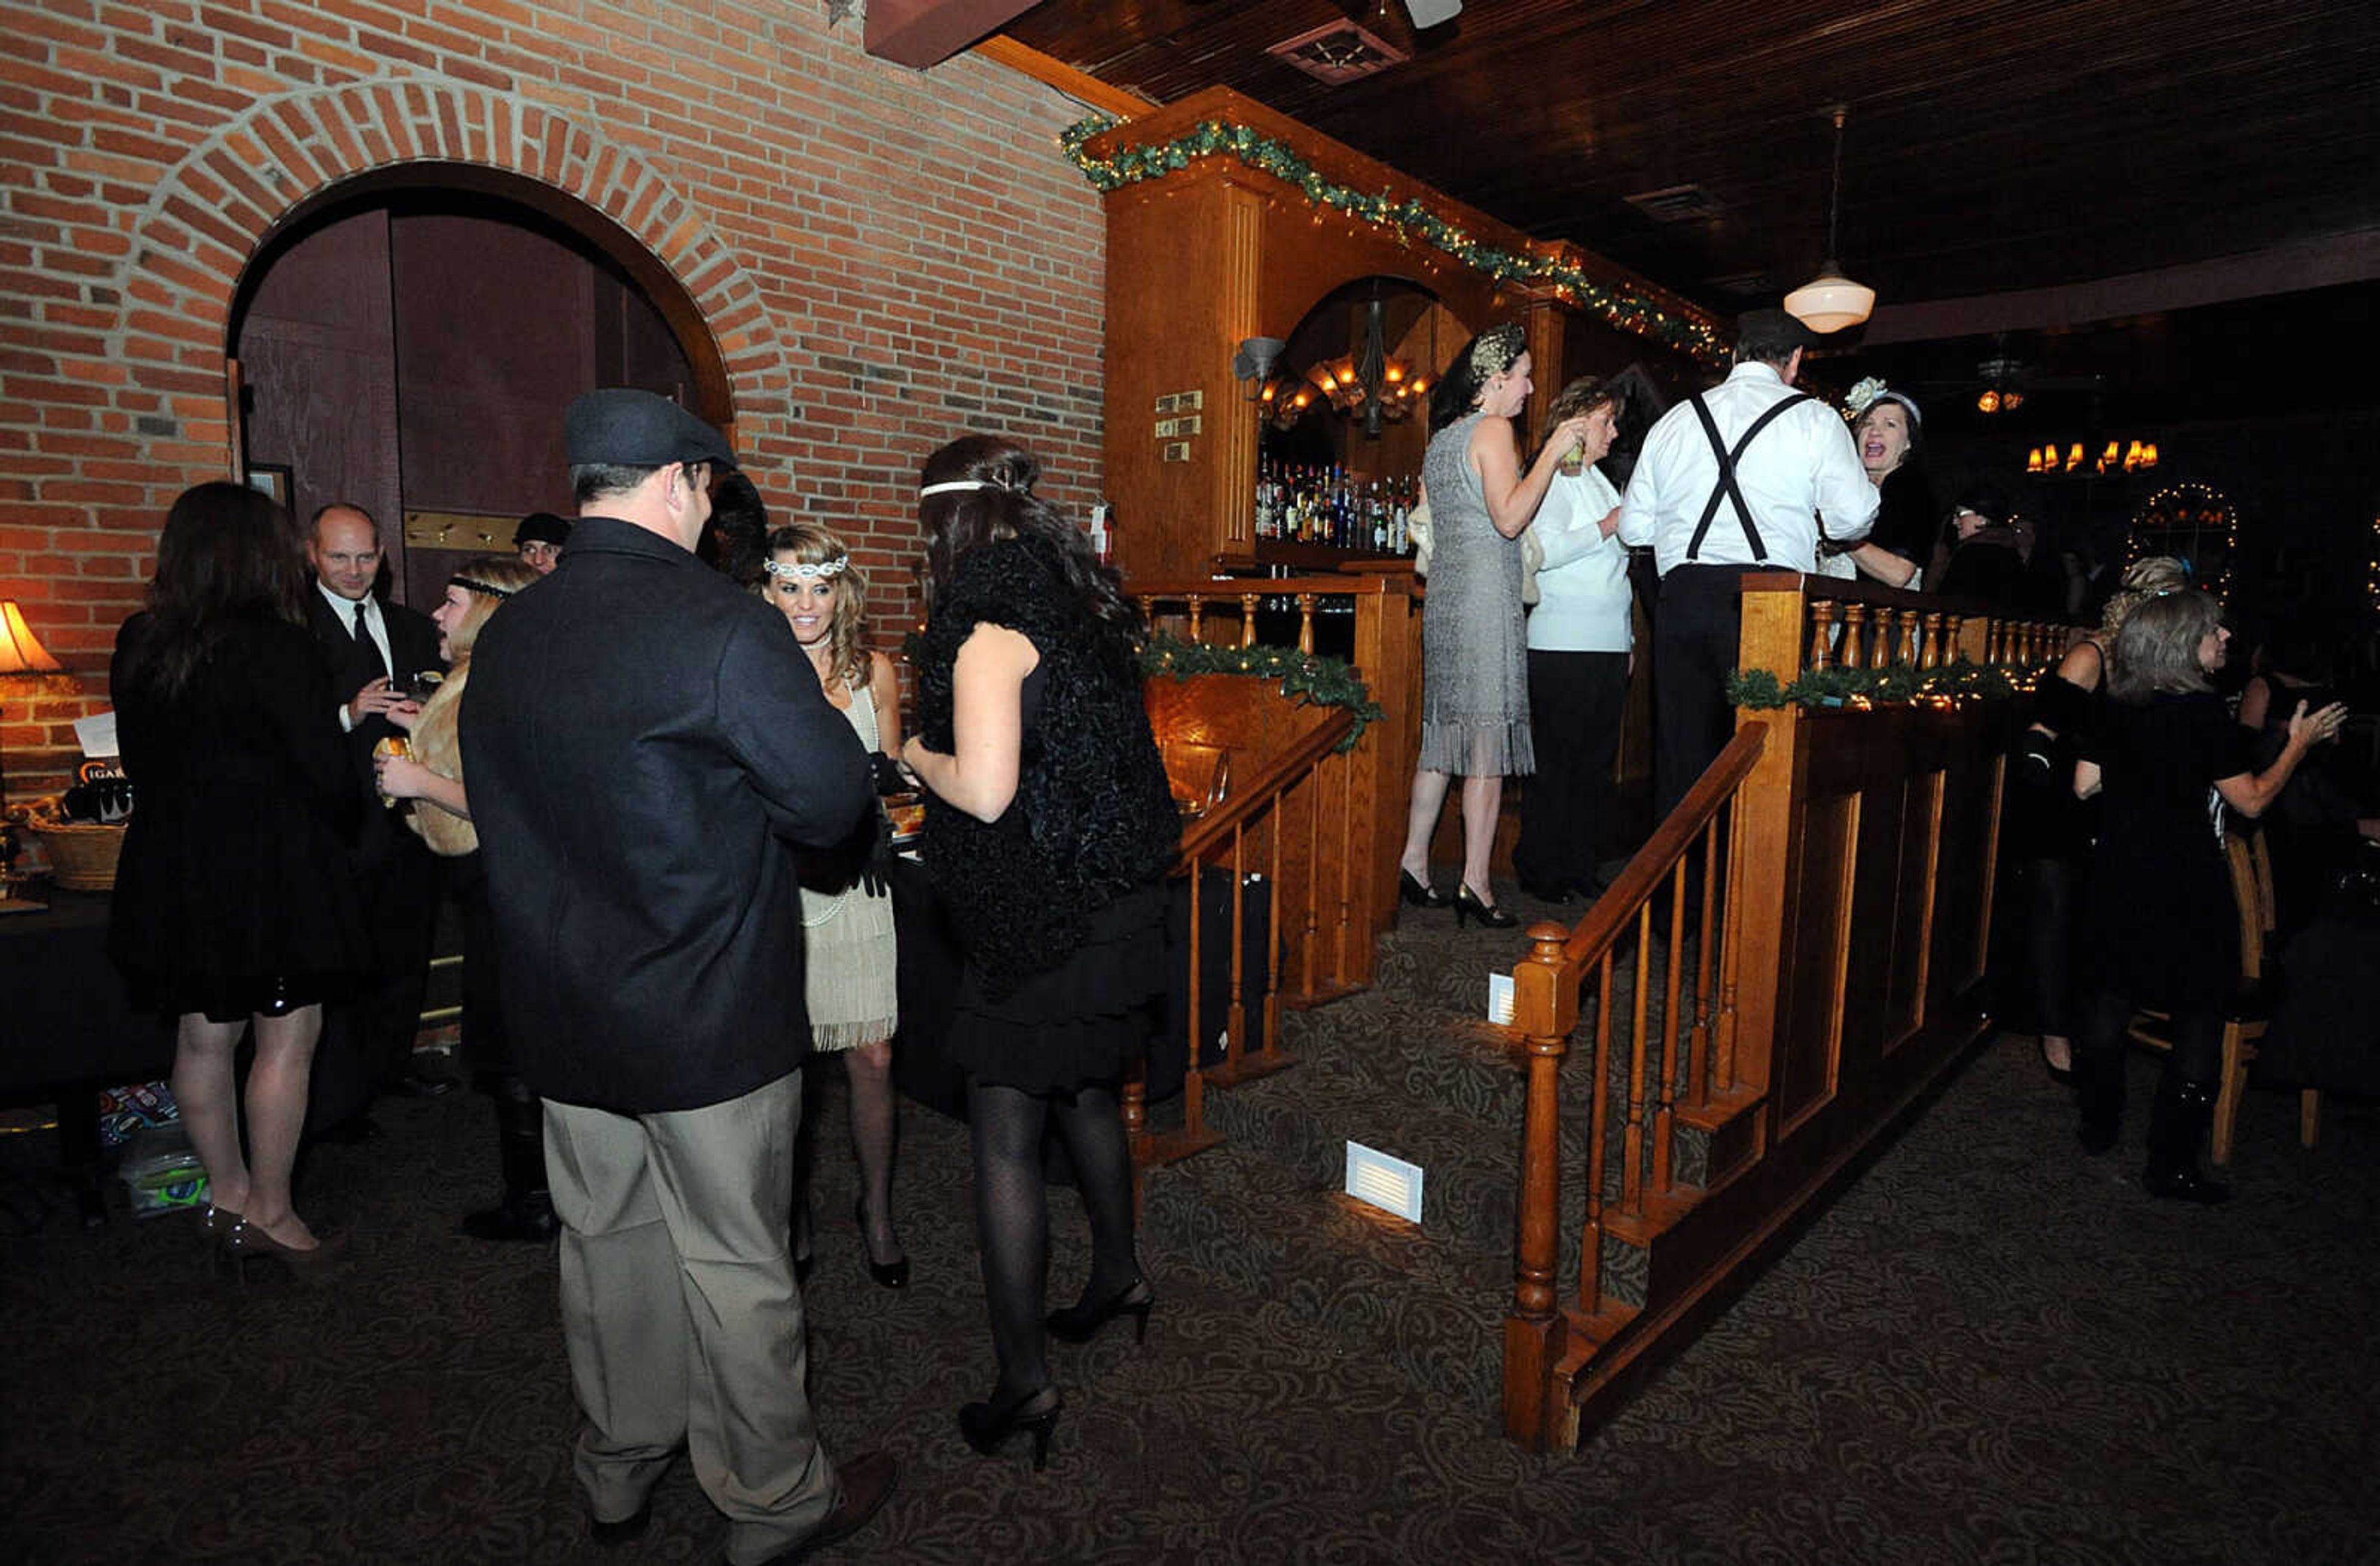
(1830, 301)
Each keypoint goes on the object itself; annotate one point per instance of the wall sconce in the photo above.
(1253, 362)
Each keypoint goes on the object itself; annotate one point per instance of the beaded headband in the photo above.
(473, 584)
(825, 570)
(1496, 349)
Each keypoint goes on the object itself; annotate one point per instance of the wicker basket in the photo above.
(83, 856)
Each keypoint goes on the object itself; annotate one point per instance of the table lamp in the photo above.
(20, 653)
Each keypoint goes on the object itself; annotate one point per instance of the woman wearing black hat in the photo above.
(1983, 560)
(539, 539)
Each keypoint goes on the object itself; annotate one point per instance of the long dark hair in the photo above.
(228, 553)
(1003, 505)
(1482, 359)
(736, 542)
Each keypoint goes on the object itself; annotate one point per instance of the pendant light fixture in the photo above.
(1830, 301)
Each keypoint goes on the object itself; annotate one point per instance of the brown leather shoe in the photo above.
(868, 1482)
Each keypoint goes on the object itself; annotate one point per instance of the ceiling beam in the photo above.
(919, 33)
(2282, 269)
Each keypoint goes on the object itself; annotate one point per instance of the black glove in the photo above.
(889, 776)
(873, 879)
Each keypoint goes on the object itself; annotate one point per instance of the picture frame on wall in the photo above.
(271, 478)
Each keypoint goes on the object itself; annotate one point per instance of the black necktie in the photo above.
(367, 657)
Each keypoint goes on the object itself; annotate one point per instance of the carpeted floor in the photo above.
(1987, 1348)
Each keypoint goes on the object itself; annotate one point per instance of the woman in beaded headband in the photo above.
(1475, 675)
(430, 773)
(809, 578)
(847, 934)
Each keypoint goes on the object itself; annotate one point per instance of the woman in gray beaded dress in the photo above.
(1474, 665)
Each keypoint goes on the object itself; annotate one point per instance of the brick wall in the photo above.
(884, 258)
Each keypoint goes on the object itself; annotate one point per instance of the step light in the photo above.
(1386, 1183)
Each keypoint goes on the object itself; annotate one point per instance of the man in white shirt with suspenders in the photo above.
(1731, 480)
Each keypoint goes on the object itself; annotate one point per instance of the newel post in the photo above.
(1545, 1010)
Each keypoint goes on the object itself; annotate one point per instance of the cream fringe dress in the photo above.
(848, 944)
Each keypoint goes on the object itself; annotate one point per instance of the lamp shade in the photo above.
(20, 651)
(1830, 301)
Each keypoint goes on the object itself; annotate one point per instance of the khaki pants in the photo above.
(681, 1314)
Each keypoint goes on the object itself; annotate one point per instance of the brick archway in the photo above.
(289, 155)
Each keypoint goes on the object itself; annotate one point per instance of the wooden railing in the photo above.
(1382, 608)
(1262, 829)
(1799, 1012)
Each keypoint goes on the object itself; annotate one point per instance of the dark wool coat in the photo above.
(643, 740)
(1093, 814)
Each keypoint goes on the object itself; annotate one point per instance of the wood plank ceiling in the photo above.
(1992, 145)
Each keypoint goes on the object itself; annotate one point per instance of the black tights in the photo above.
(2196, 1058)
(1011, 1212)
(2048, 937)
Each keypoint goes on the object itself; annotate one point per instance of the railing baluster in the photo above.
(1236, 1039)
(1854, 636)
(1822, 640)
(1674, 971)
(1698, 1042)
(1887, 637)
(1930, 654)
(1632, 1150)
(1306, 621)
(1590, 1250)
(1248, 603)
(1197, 610)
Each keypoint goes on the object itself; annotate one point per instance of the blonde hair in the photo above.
(812, 545)
(2152, 576)
(506, 574)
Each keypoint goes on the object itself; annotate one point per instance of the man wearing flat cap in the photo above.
(1729, 481)
(539, 539)
(646, 743)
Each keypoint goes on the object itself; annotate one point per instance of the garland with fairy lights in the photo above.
(1306, 678)
(1409, 219)
(1760, 689)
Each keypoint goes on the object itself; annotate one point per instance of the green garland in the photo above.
(1306, 677)
(1760, 689)
(1411, 220)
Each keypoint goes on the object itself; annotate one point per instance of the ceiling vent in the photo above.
(1678, 203)
(1339, 54)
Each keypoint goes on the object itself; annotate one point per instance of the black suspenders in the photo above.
(1726, 489)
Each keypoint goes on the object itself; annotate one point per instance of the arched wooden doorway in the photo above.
(407, 340)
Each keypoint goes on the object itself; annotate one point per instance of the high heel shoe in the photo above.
(218, 1224)
(1418, 893)
(1081, 1323)
(986, 1424)
(1468, 907)
(309, 1266)
(888, 1274)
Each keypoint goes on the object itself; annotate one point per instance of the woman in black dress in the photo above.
(2163, 931)
(233, 902)
(2049, 830)
(1049, 831)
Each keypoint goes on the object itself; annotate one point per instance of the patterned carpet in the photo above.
(1987, 1348)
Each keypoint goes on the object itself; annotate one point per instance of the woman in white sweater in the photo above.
(1580, 641)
